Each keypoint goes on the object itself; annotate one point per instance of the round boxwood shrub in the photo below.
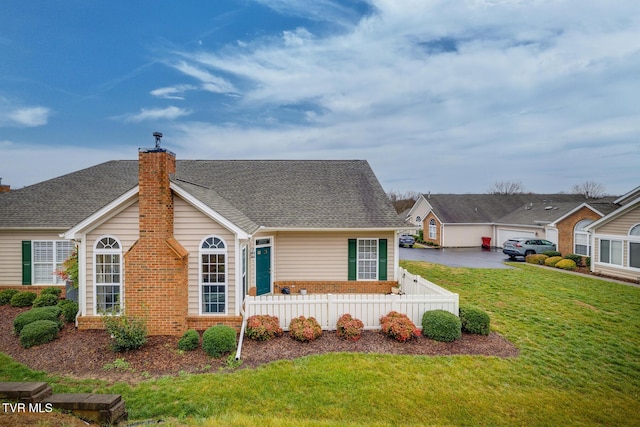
(552, 253)
(51, 291)
(189, 341)
(304, 329)
(440, 325)
(45, 300)
(218, 340)
(577, 259)
(566, 264)
(6, 295)
(23, 299)
(263, 327)
(474, 320)
(35, 314)
(536, 259)
(38, 332)
(69, 309)
(551, 261)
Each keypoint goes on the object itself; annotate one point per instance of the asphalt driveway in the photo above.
(458, 257)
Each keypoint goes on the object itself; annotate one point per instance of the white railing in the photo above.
(417, 296)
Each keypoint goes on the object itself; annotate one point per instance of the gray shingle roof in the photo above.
(507, 208)
(250, 193)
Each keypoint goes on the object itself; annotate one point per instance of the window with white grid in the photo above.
(48, 256)
(108, 275)
(213, 275)
(367, 259)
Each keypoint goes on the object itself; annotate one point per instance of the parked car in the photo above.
(523, 246)
(407, 240)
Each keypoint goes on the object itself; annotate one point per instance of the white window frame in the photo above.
(610, 253)
(50, 265)
(114, 249)
(634, 239)
(578, 230)
(432, 229)
(361, 274)
(201, 283)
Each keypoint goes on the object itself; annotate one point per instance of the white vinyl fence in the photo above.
(417, 295)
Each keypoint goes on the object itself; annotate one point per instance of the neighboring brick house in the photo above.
(182, 242)
(463, 220)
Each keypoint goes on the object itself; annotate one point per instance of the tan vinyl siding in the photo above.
(320, 256)
(123, 227)
(621, 225)
(11, 253)
(190, 227)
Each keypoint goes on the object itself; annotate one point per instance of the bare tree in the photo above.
(507, 187)
(589, 189)
(403, 201)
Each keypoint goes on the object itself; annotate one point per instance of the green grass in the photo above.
(579, 364)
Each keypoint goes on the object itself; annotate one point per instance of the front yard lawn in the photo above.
(579, 364)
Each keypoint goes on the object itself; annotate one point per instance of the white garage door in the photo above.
(504, 235)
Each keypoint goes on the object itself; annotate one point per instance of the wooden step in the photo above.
(105, 409)
(27, 392)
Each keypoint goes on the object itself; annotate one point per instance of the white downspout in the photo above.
(242, 328)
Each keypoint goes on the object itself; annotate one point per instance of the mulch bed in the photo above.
(86, 354)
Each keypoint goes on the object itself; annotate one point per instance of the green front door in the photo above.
(263, 270)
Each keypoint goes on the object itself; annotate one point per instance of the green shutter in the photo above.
(352, 275)
(382, 259)
(26, 262)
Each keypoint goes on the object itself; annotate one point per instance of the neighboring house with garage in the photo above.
(463, 220)
(181, 242)
(616, 239)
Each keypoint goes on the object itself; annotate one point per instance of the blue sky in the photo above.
(439, 96)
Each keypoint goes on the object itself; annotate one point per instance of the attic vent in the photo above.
(548, 208)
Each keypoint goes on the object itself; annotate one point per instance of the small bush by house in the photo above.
(263, 327)
(6, 295)
(474, 320)
(39, 313)
(577, 259)
(440, 325)
(305, 329)
(23, 299)
(552, 253)
(127, 333)
(51, 291)
(189, 341)
(45, 300)
(69, 309)
(551, 261)
(536, 259)
(398, 326)
(38, 332)
(218, 340)
(566, 264)
(349, 327)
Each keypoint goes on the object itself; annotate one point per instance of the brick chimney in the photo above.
(4, 188)
(156, 278)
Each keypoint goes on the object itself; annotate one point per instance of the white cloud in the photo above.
(172, 92)
(25, 116)
(211, 82)
(169, 113)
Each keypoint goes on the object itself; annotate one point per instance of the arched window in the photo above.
(213, 275)
(581, 243)
(432, 228)
(107, 268)
(634, 246)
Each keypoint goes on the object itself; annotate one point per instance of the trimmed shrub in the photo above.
(440, 325)
(45, 300)
(51, 291)
(218, 340)
(305, 329)
(349, 328)
(566, 264)
(587, 261)
(189, 341)
(551, 261)
(35, 314)
(577, 259)
(398, 326)
(69, 309)
(38, 332)
(474, 320)
(23, 299)
(552, 253)
(536, 259)
(263, 327)
(127, 333)
(6, 295)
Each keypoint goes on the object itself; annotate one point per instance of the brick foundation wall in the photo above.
(337, 287)
(566, 227)
(90, 322)
(35, 288)
(200, 323)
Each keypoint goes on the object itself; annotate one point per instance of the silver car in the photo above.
(523, 246)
